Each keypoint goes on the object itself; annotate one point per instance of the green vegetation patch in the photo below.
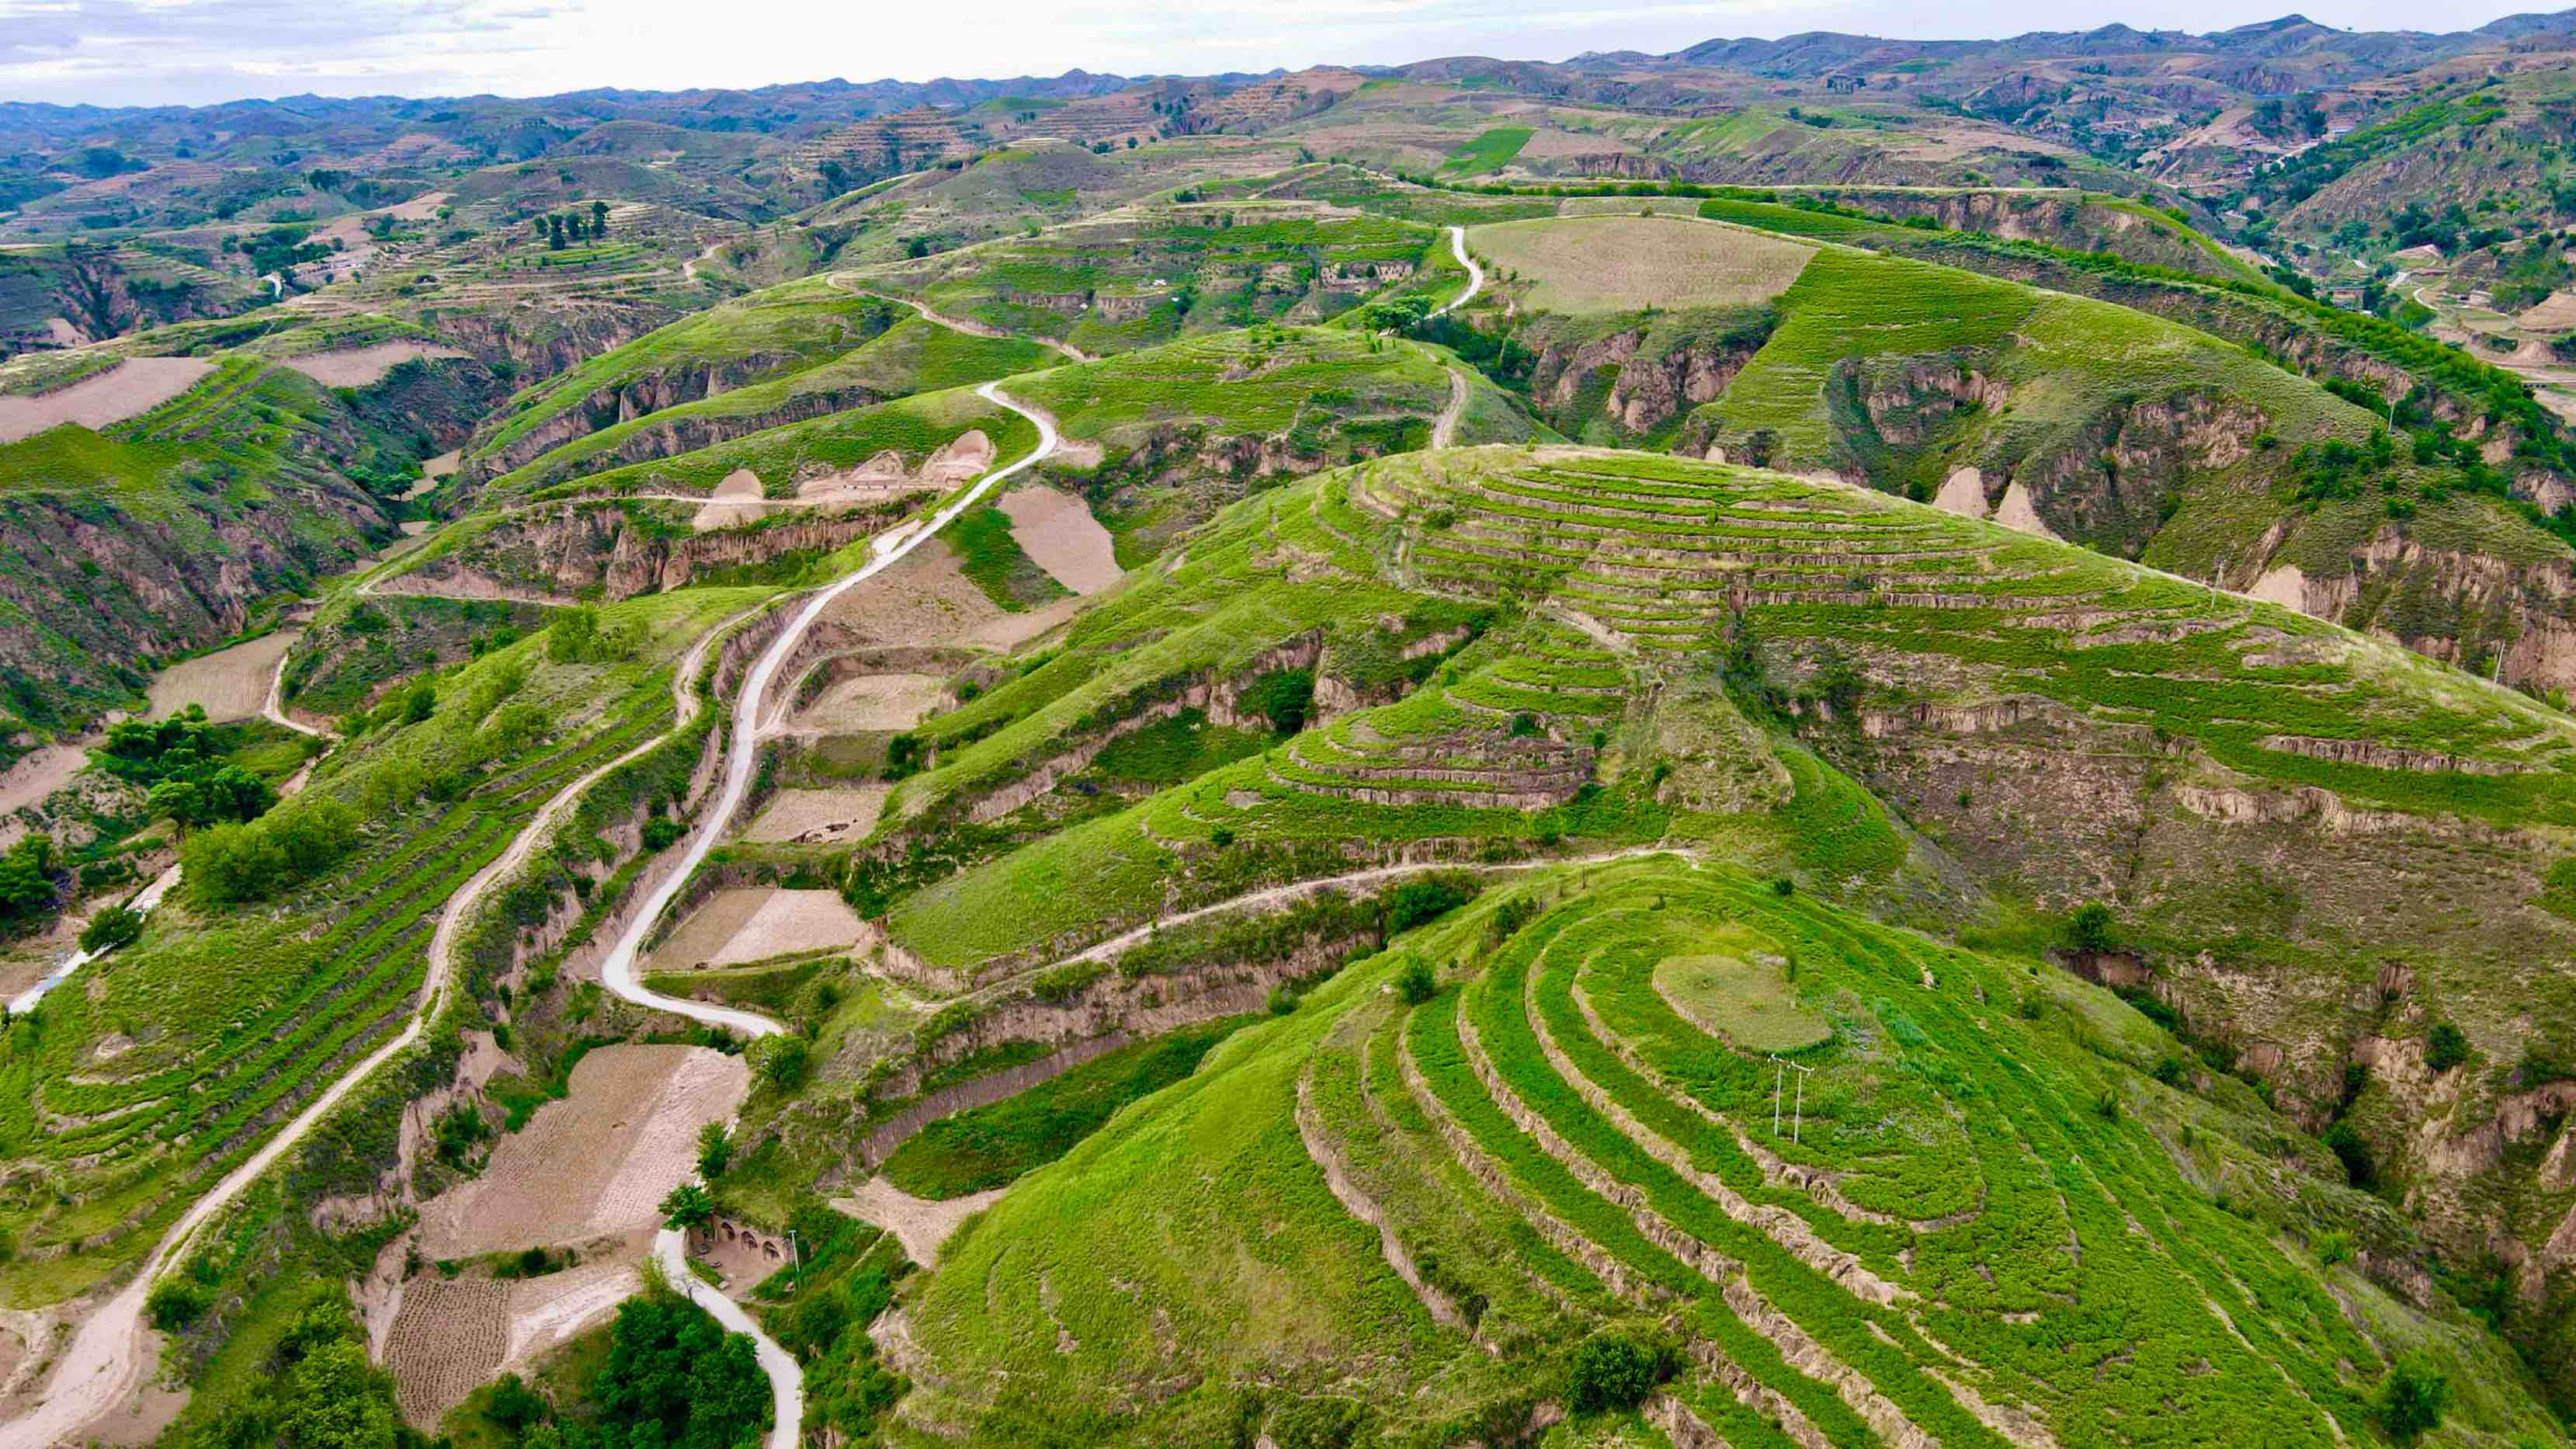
(992, 1146)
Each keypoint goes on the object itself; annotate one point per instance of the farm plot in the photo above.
(231, 683)
(596, 1162)
(449, 1340)
(736, 927)
(1580, 264)
(873, 702)
(1058, 533)
(816, 816)
(365, 366)
(134, 386)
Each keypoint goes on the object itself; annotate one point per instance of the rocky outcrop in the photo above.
(1655, 373)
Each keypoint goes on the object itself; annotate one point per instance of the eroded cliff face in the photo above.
(2514, 621)
(1639, 379)
(619, 550)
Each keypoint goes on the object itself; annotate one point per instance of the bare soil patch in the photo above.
(819, 816)
(695, 941)
(1009, 631)
(2555, 313)
(135, 385)
(595, 1163)
(1579, 264)
(924, 599)
(792, 923)
(1058, 533)
(735, 501)
(920, 1224)
(873, 702)
(736, 927)
(230, 683)
(37, 774)
(365, 366)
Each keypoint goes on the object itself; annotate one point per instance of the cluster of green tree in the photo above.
(2293, 179)
(1496, 355)
(179, 762)
(320, 1392)
(28, 889)
(278, 249)
(232, 863)
(674, 1380)
(559, 229)
(576, 638)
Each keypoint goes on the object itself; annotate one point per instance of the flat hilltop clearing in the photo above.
(300, 941)
(1588, 264)
(1983, 1231)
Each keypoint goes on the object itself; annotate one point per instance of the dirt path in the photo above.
(786, 1380)
(1444, 430)
(960, 324)
(109, 1358)
(618, 972)
(1475, 273)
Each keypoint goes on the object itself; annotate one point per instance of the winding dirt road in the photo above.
(1475, 273)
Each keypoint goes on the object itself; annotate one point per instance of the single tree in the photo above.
(598, 219)
(554, 233)
(715, 1150)
(2412, 1399)
(687, 1206)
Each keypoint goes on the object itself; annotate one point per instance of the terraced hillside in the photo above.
(1518, 655)
(803, 351)
(758, 507)
(1543, 1131)
(2087, 420)
(300, 944)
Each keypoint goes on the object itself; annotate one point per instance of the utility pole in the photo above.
(1779, 1082)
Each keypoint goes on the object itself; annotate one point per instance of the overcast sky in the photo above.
(148, 52)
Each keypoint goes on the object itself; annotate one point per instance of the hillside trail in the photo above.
(1444, 429)
(954, 324)
(107, 1359)
(1115, 946)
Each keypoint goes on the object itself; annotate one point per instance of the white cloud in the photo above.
(147, 52)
